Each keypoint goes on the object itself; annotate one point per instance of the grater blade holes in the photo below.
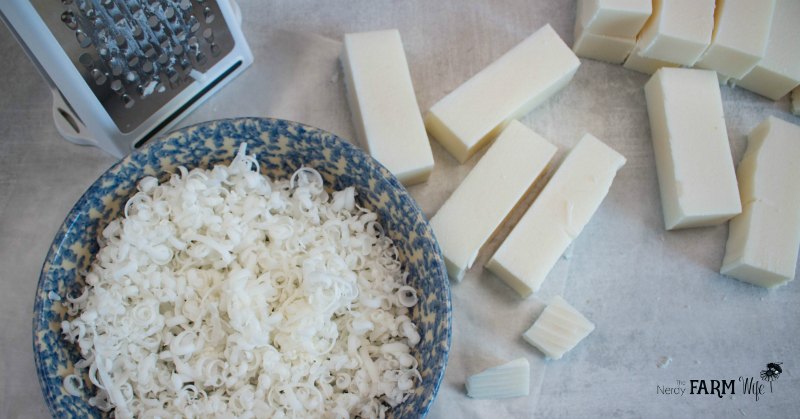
(98, 76)
(128, 101)
(208, 14)
(86, 60)
(69, 19)
(84, 40)
(208, 34)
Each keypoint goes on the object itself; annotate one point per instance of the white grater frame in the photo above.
(91, 124)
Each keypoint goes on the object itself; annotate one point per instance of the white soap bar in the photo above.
(679, 31)
(511, 379)
(796, 101)
(690, 141)
(614, 18)
(779, 71)
(763, 241)
(524, 77)
(558, 329)
(557, 217)
(487, 195)
(383, 105)
(610, 49)
(637, 62)
(740, 36)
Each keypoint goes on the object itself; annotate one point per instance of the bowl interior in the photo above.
(281, 147)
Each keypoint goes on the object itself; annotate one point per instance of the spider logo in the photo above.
(772, 373)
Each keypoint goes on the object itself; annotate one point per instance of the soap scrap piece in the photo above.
(610, 49)
(527, 75)
(740, 36)
(614, 18)
(383, 105)
(637, 62)
(779, 71)
(488, 194)
(511, 379)
(558, 329)
(679, 31)
(557, 217)
(690, 141)
(764, 240)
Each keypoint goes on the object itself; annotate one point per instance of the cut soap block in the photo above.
(524, 77)
(610, 49)
(637, 62)
(763, 241)
(557, 217)
(690, 142)
(679, 31)
(779, 71)
(740, 36)
(558, 329)
(383, 105)
(487, 195)
(613, 18)
(511, 379)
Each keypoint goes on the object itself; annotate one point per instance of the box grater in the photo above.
(123, 71)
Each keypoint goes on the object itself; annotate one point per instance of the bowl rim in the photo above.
(49, 393)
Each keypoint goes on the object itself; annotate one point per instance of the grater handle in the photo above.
(67, 123)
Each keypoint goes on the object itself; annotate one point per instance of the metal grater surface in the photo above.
(136, 55)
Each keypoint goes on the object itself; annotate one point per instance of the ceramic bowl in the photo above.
(281, 147)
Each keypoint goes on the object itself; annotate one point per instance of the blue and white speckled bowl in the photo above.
(281, 147)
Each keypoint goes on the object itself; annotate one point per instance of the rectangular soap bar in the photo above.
(558, 329)
(524, 77)
(610, 49)
(740, 36)
(512, 379)
(487, 195)
(679, 31)
(557, 217)
(614, 18)
(779, 71)
(637, 62)
(383, 105)
(690, 141)
(763, 241)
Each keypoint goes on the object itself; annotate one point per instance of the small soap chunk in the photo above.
(557, 217)
(527, 75)
(487, 195)
(690, 141)
(796, 101)
(763, 241)
(558, 329)
(511, 379)
(637, 62)
(740, 36)
(779, 71)
(614, 18)
(383, 105)
(679, 31)
(610, 49)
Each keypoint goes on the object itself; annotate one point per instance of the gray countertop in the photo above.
(663, 313)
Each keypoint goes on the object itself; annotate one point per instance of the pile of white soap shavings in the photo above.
(224, 294)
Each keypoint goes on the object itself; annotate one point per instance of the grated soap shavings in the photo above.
(222, 293)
